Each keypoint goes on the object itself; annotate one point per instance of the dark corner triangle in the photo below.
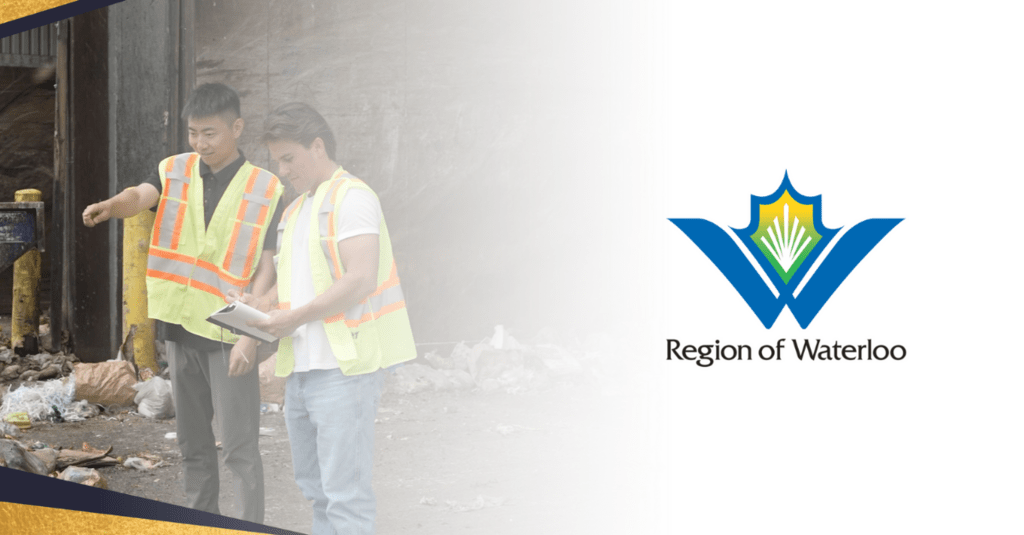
(31, 489)
(52, 15)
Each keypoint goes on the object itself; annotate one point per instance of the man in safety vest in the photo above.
(342, 315)
(213, 209)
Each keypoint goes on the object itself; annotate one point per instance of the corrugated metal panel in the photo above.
(33, 48)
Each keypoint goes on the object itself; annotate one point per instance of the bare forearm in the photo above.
(345, 293)
(126, 204)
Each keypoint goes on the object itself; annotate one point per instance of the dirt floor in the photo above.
(454, 461)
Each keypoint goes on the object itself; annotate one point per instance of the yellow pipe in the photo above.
(135, 305)
(25, 309)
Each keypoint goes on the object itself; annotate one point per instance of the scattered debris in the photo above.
(31, 368)
(48, 456)
(14, 454)
(86, 457)
(38, 400)
(154, 398)
(171, 436)
(138, 463)
(266, 431)
(481, 502)
(9, 430)
(80, 410)
(106, 383)
(84, 476)
(269, 407)
(19, 420)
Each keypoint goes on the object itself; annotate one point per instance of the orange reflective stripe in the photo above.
(171, 255)
(386, 309)
(159, 219)
(269, 194)
(182, 208)
(206, 288)
(391, 281)
(253, 241)
(200, 264)
(166, 276)
(238, 223)
(190, 163)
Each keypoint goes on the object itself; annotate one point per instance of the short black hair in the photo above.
(212, 99)
(298, 122)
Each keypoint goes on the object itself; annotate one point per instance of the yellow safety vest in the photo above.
(373, 334)
(191, 268)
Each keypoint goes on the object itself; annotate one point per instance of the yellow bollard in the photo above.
(25, 309)
(135, 306)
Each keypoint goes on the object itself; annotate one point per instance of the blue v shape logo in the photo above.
(729, 259)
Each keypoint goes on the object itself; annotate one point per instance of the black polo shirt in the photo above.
(214, 185)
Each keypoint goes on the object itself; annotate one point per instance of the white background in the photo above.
(905, 110)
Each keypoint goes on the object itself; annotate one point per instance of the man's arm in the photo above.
(359, 256)
(126, 204)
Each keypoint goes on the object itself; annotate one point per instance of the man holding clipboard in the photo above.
(339, 308)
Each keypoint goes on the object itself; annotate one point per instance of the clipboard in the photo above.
(235, 318)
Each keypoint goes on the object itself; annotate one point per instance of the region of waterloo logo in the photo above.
(786, 237)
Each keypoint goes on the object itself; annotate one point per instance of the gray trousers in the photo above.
(201, 386)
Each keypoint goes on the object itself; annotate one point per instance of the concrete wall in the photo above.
(490, 130)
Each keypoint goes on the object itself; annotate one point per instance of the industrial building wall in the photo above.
(481, 125)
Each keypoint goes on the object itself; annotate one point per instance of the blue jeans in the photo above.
(330, 425)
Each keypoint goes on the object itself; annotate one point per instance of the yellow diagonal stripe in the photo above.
(18, 518)
(16, 9)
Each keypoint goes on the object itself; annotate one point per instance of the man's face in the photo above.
(215, 139)
(296, 164)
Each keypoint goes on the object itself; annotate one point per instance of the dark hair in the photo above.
(299, 123)
(208, 100)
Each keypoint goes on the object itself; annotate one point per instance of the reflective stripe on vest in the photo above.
(171, 213)
(387, 295)
(387, 298)
(252, 211)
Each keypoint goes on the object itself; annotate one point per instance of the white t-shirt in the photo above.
(359, 214)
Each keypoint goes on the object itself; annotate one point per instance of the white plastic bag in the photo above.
(154, 398)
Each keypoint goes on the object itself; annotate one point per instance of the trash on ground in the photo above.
(84, 476)
(139, 463)
(269, 407)
(93, 458)
(38, 400)
(80, 410)
(9, 430)
(154, 398)
(48, 456)
(19, 420)
(481, 502)
(266, 431)
(171, 436)
(106, 383)
(15, 455)
(30, 368)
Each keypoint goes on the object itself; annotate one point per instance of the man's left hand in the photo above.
(243, 357)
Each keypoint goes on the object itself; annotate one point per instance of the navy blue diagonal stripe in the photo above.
(31, 489)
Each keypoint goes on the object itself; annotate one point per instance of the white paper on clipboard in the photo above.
(236, 317)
